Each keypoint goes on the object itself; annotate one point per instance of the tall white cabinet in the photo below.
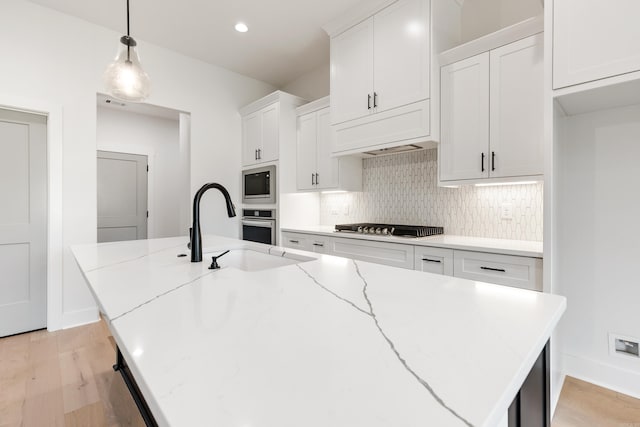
(383, 73)
(316, 168)
(492, 111)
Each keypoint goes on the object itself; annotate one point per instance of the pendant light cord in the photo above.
(128, 35)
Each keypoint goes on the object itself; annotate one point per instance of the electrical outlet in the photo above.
(506, 211)
(624, 346)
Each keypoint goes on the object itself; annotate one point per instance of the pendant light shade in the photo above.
(124, 77)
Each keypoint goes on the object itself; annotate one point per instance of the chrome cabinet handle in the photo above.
(294, 241)
(431, 260)
(317, 179)
(319, 244)
(482, 162)
(493, 161)
(368, 101)
(255, 154)
(501, 270)
(259, 153)
(375, 100)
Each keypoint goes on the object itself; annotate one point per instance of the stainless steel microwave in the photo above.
(259, 185)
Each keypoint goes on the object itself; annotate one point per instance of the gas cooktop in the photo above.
(390, 229)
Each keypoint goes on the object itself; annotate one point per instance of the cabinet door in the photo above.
(352, 72)
(594, 39)
(465, 119)
(401, 54)
(434, 260)
(270, 134)
(516, 110)
(251, 138)
(297, 241)
(328, 167)
(387, 253)
(306, 151)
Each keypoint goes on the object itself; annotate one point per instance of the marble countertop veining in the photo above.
(327, 342)
(479, 244)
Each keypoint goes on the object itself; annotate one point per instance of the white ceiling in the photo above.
(285, 38)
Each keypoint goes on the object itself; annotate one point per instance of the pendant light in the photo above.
(124, 78)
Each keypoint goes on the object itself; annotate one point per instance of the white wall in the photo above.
(597, 250)
(481, 17)
(159, 139)
(54, 59)
(312, 85)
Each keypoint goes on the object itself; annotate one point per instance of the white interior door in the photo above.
(23, 222)
(122, 197)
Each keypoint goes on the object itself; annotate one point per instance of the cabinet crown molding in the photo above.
(277, 96)
(355, 15)
(313, 106)
(493, 40)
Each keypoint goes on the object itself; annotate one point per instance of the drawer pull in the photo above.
(501, 270)
(319, 244)
(431, 260)
(294, 241)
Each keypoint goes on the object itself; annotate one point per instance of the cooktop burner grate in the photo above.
(390, 229)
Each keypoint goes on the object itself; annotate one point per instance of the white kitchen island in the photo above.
(326, 342)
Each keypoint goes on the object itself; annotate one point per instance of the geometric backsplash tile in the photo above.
(403, 189)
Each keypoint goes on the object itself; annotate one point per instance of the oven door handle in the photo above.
(258, 223)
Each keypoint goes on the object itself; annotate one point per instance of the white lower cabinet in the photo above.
(434, 260)
(305, 242)
(393, 254)
(516, 271)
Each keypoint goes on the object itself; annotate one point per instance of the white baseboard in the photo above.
(71, 319)
(601, 374)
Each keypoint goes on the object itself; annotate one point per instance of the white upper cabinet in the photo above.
(352, 73)
(382, 73)
(260, 136)
(464, 144)
(516, 109)
(492, 114)
(266, 124)
(316, 168)
(594, 39)
(328, 174)
(401, 52)
(306, 151)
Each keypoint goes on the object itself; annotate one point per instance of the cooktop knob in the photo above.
(378, 230)
(360, 229)
(385, 231)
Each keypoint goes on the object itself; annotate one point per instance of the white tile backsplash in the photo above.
(403, 189)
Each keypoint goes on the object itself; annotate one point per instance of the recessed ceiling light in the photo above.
(241, 27)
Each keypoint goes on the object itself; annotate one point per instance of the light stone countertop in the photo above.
(478, 244)
(329, 342)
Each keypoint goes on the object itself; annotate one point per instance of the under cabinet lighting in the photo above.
(241, 27)
(334, 192)
(496, 184)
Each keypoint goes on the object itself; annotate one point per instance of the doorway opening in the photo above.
(143, 155)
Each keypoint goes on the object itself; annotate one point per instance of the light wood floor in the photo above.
(65, 378)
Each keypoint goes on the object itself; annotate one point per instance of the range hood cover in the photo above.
(394, 150)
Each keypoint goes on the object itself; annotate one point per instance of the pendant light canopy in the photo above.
(124, 78)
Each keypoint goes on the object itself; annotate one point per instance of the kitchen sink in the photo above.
(250, 260)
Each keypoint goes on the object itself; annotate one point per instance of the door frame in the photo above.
(55, 245)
